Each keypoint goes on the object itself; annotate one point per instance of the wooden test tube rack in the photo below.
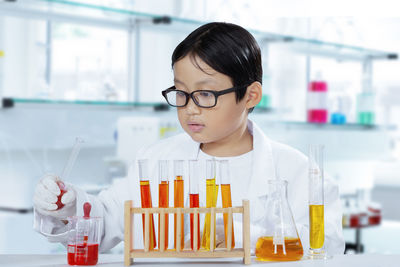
(130, 253)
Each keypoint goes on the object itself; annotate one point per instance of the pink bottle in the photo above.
(317, 108)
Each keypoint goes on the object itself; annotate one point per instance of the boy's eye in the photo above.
(180, 94)
(205, 94)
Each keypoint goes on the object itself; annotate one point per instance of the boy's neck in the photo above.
(238, 143)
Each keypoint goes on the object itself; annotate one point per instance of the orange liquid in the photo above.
(163, 199)
(194, 203)
(227, 202)
(145, 196)
(265, 249)
(178, 203)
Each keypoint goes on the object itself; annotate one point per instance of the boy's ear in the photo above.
(254, 94)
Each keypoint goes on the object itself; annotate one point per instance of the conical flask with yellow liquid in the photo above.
(280, 240)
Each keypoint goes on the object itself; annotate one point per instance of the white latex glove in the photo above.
(46, 196)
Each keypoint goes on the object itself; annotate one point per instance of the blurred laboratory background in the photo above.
(95, 69)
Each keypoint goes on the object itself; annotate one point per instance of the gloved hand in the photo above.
(47, 194)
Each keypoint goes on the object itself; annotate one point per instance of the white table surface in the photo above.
(366, 260)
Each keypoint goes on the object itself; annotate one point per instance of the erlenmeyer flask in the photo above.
(280, 241)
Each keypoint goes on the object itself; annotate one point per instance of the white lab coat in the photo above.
(272, 160)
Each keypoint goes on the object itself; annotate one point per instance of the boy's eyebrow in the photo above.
(205, 81)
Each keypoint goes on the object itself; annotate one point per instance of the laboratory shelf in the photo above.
(123, 16)
(329, 126)
(299, 125)
(156, 105)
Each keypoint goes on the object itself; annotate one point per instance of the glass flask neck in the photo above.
(278, 188)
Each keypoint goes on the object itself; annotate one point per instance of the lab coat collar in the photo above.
(263, 167)
(263, 161)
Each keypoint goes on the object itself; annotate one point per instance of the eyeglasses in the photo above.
(202, 98)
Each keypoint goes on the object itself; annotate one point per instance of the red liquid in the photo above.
(145, 195)
(194, 203)
(82, 254)
(354, 220)
(62, 189)
(317, 115)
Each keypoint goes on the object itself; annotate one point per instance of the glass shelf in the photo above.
(107, 16)
(85, 102)
(329, 126)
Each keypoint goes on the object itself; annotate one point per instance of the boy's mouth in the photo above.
(195, 127)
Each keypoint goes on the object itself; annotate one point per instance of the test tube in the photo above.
(163, 200)
(178, 202)
(211, 201)
(225, 180)
(194, 202)
(316, 202)
(145, 196)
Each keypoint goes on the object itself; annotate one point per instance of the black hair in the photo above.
(228, 49)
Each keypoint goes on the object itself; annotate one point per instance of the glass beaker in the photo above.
(280, 241)
(83, 240)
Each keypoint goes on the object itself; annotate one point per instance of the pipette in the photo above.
(86, 215)
(67, 169)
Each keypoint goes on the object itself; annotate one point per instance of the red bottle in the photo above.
(317, 106)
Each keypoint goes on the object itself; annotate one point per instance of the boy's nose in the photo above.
(192, 108)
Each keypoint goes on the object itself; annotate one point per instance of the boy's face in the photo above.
(207, 125)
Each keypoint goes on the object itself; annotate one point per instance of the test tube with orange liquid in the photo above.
(145, 197)
(211, 201)
(194, 200)
(178, 201)
(163, 199)
(225, 180)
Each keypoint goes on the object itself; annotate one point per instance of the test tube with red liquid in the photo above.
(194, 172)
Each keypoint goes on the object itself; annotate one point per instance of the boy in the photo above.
(217, 82)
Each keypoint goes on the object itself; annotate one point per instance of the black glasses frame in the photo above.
(190, 95)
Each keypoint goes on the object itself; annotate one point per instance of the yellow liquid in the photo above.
(265, 249)
(316, 226)
(227, 202)
(211, 201)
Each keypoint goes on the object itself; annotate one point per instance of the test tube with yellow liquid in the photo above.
(178, 202)
(211, 201)
(163, 199)
(316, 202)
(145, 197)
(225, 180)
